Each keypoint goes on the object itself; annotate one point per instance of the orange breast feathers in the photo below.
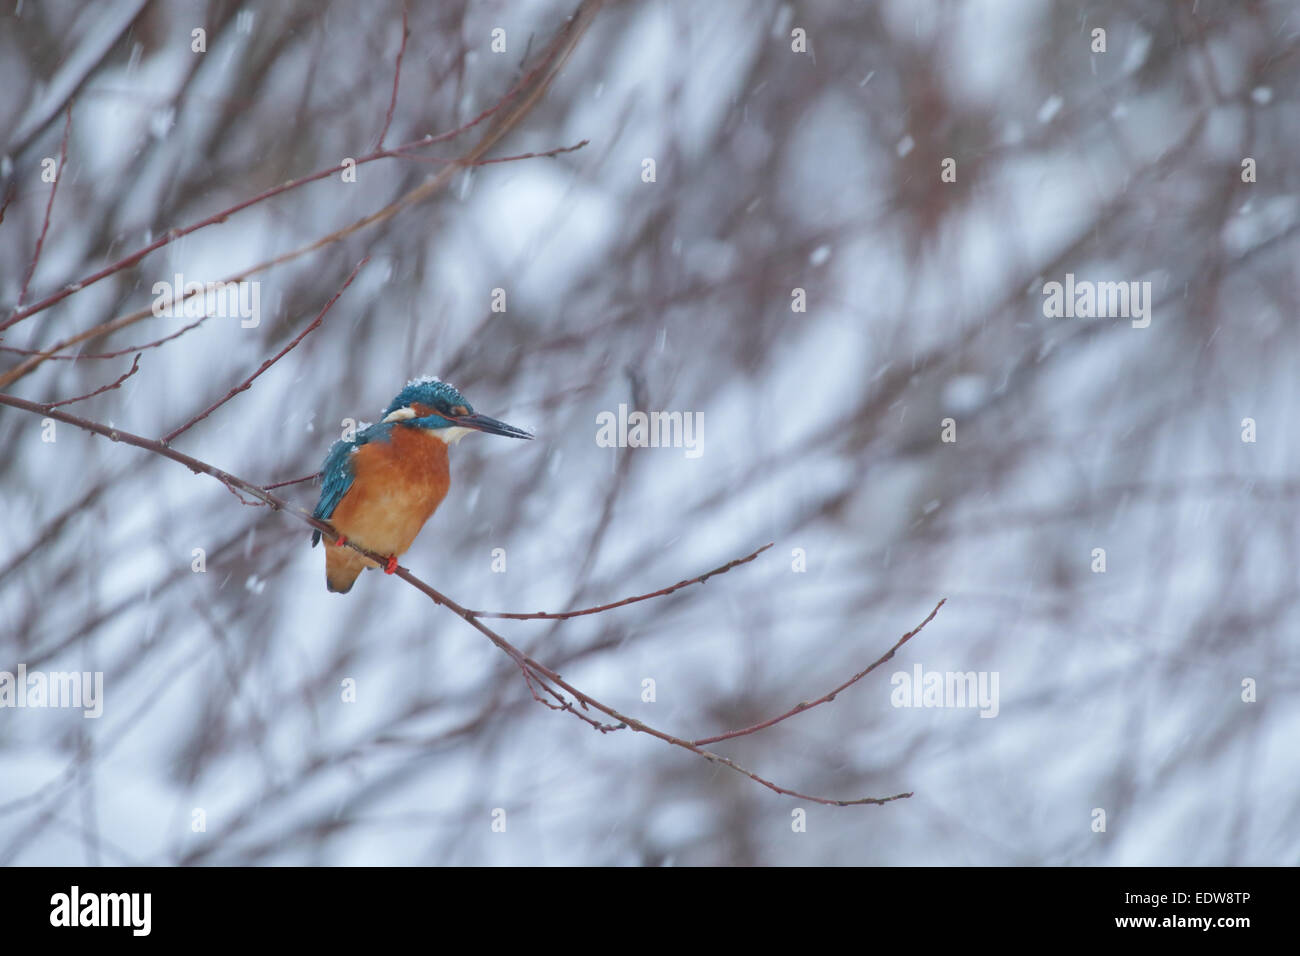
(397, 486)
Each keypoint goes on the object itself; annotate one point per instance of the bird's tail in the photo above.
(342, 565)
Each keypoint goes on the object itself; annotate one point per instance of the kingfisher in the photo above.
(379, 488)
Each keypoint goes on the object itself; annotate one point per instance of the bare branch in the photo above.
(292, 481)
(397, 76)
(108, 355)
(49, 206)
(135, 366)
(662, 592)
(244, 385)
(826, 698)
(500, 159)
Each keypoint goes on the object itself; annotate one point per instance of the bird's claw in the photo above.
(391, 566)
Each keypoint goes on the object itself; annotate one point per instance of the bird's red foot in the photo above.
(341, 541)
(391, 566)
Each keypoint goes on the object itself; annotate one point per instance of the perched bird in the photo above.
(380, 488)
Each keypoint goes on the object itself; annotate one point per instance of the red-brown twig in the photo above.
(108, 355)
(803, 706)
(538, 671)
(135, 366)
(563, 704)
(49, 205)
(500, 159)
(244, 385)
(292, 481)
(662, 592)
(397, 76)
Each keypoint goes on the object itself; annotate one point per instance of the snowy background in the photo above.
(774, 170)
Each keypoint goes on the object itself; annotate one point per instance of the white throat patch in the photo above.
(451, 434)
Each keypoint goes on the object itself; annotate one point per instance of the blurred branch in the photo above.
(73, 71)
(10, 191)
(56, 525)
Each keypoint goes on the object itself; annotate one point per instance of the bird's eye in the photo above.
(460, 411)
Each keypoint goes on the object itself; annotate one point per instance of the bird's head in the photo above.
(436, 406)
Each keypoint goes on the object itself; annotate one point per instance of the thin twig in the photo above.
(135, 366)
(108, 355)
(49, 205)
(397, 76)
(662, 592)
(292, 481)
(244, 385)
(825, 698)
(500, 159)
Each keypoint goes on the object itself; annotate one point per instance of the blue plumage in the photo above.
(337, 472)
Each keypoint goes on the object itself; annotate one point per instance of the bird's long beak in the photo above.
(491, 426)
